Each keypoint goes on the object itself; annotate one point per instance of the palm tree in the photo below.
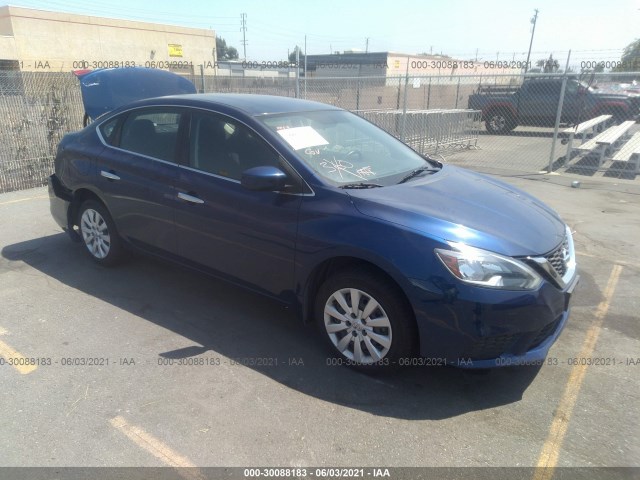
(550, 65)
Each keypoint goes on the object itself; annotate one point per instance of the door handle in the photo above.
(189, 198)
(109, 175)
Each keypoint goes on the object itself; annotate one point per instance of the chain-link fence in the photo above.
(498, 123)
(430, 131)
(37, 110)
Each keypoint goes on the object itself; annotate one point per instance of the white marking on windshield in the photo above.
(343, 167)
(302, 137)
(365, 171)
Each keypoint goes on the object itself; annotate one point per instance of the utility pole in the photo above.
(243, 28)
(366, 49)
(297, 50)
(534, 19)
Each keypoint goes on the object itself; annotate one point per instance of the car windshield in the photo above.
(345, 149)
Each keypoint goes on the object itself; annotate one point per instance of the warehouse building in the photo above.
(38, 40)
(392, 65)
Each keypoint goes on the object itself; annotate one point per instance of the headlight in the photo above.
(486, 269)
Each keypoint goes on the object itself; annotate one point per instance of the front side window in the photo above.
(572, 88)
(344, 148)
(152, 132)
(225, 147)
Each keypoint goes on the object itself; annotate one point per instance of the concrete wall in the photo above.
(8, 48)
(395, 67)
(369, 97)
(435, 65)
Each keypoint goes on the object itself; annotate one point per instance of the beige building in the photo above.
(38, 40)
(396, 66)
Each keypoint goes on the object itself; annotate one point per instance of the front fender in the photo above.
(348, 235)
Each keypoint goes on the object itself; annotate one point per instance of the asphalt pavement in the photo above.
(148, 364)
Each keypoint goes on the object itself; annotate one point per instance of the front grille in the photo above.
(546, 332)
(515, 344)
(490, 347)
(558, 257)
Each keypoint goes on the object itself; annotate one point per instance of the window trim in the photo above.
(228, 119)
(122, 117)
(306, 190)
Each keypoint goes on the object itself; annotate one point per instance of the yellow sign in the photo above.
(175, 50)
(396, 64)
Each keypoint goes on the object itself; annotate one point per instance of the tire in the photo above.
(99, 234)
(376, 342)
(499, 121)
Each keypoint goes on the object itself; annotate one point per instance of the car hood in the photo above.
(461, 206)
(607, 95)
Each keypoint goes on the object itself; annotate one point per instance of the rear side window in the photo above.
(108, 130)
(538, 88)
(152, 132)
(544, 89)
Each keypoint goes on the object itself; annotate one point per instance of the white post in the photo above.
(297, 72)
(403, 123)
(558, 115)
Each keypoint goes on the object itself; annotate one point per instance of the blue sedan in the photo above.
(396, 257)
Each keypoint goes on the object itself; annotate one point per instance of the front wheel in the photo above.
(365, 320)
(98, 233)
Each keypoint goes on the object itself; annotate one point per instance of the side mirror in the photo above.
(269, 179)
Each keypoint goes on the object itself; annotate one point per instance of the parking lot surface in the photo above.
(152, 365)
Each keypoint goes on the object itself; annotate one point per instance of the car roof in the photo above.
(251, 104)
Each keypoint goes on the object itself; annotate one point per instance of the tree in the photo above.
(292, 55)
(223, 51)
(630, 60)
(550, 65)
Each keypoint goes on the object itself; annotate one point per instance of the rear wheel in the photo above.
(499, 121)
(365, 320)
(99, 234)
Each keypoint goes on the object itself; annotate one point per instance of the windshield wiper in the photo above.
(418, 171)
(360, 185)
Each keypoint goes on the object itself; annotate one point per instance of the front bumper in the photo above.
(536, 354)
(482, 328)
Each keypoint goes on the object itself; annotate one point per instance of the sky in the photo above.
(466, 29)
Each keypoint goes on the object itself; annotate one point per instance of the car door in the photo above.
(138, 173)
(574, 99)
(539, 102)
(247, 236)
